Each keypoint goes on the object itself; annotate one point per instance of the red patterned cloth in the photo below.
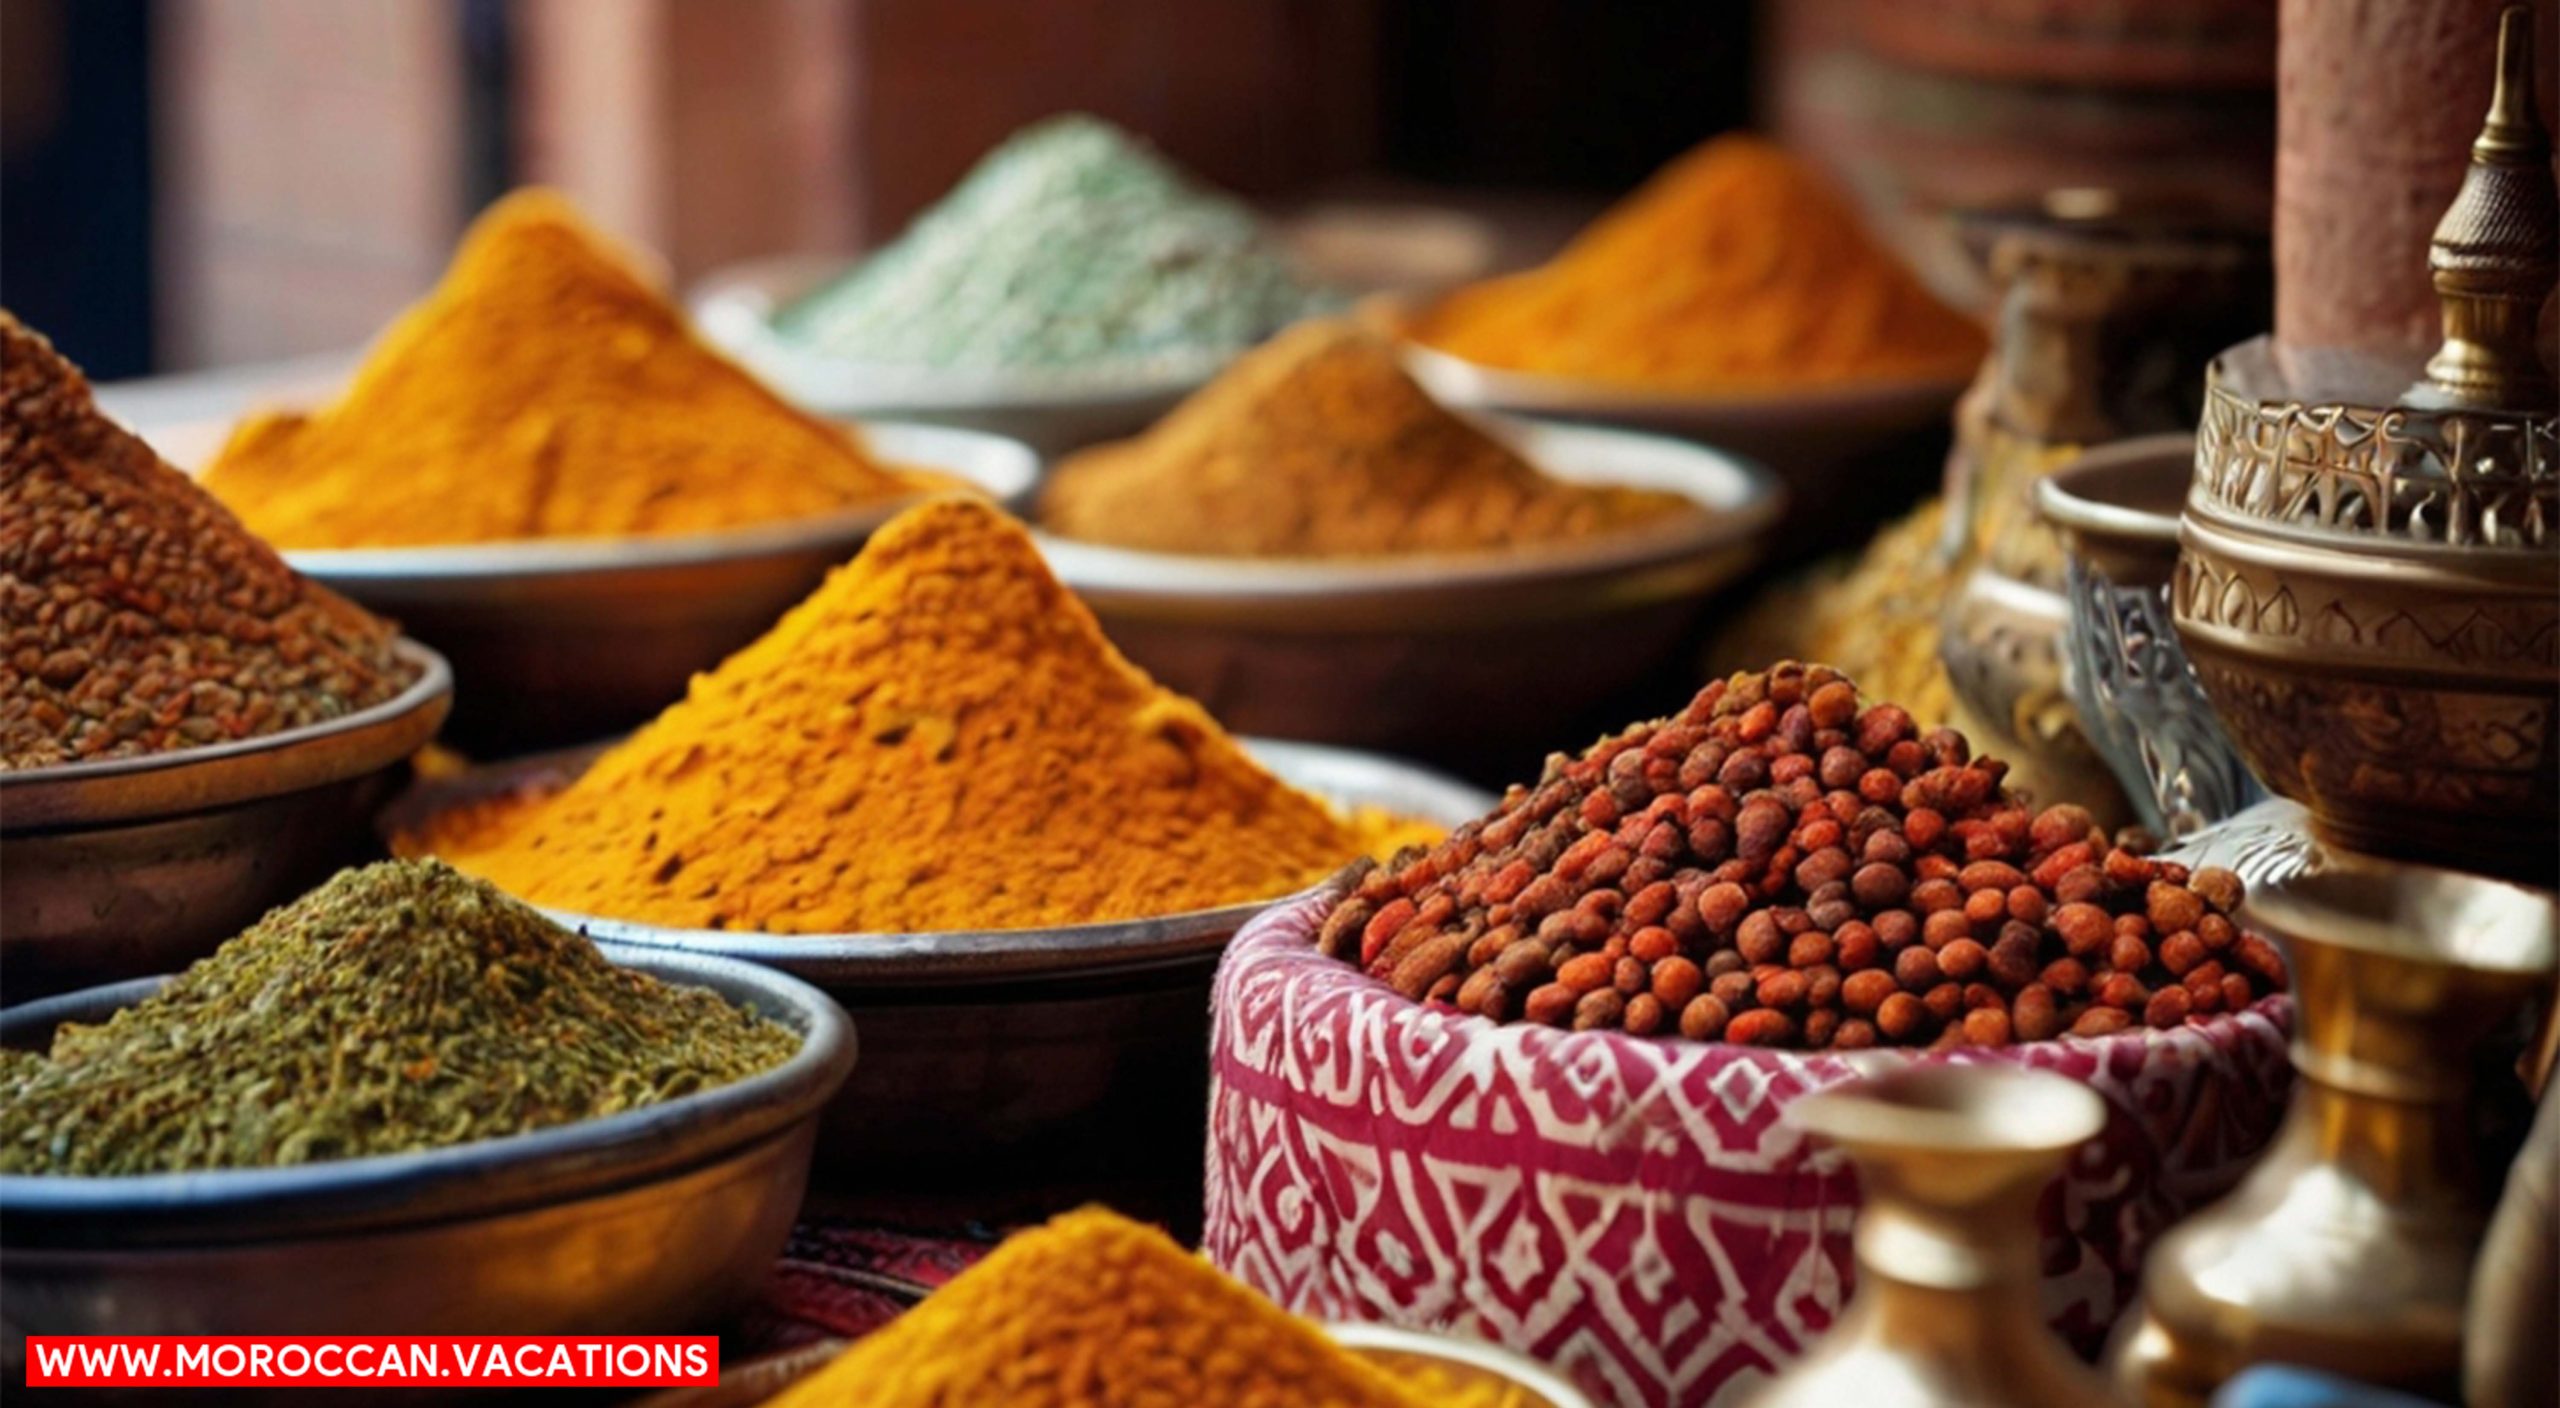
(845, 1279)
(1634, 1212)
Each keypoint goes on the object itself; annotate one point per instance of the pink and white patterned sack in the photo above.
(1634, 1212)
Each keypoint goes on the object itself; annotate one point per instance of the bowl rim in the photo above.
(970, 957)
(1010, 470)
(734, 306)
(1518, 1369)
(2068, 499)
(1462, 382)
(549, 1166)
(1736, 500)
(182, 780)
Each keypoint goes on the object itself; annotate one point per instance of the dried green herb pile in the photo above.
(400, 1006)
(1071, 243)
(136, 614)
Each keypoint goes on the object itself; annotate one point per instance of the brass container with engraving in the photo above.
(1951, 1161)
(2369, 583)
(2350, 1246)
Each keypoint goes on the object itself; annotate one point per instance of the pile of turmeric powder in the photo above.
(1318, 444)
(1092, 1310)
(1734, 268)
(938, 738)
(543, 389)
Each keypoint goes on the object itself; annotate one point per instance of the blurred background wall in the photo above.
(196, 182)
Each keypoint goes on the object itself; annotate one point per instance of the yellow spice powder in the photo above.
(1092, 1310)
(543, 389)
(938, 738)
(1735, 267)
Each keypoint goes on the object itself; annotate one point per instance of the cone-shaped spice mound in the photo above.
(136, 614)
(1319, 445)
(1092, 1310)
(938, 738)
(1072, 245)
(1735, 267)
(400, 1006)
(544, 389)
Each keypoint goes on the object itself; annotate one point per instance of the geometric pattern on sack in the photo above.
(1634, 1212)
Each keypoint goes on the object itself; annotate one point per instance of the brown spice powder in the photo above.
(136, 614)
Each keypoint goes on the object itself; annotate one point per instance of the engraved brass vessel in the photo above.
(2350, 1246)
(1951, 1161)
(2370, 578)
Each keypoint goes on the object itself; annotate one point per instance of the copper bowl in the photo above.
(2381, 634)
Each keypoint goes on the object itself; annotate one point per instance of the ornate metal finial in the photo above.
(2493, 255)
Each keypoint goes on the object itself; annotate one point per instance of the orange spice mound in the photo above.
(543, 389)
(1318, 444)
(1092, 1310)
(1735, 267)
(938, 738)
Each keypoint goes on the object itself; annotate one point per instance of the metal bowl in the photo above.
(651, 1221)
(1052, 409)
(559, 641)
(1074, 1052)
(134, 866)
(1468, 1362)
(1821, 440)
(2122, 664)
(1445, 655)
(2371, 597)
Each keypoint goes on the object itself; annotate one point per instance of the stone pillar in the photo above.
(2377, 103)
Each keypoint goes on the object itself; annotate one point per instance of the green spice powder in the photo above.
(1069, 244)
(400, 1006)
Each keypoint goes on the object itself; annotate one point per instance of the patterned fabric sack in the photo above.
(1631, 1211)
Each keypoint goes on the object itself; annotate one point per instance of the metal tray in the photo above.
(134, 866)
(1074, 1052)
(560, 641)
(651, 1221)
(1450, 656)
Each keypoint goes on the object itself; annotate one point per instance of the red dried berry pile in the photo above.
(1781, 865)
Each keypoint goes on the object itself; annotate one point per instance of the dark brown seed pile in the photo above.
(1784, 865)
(136, 614)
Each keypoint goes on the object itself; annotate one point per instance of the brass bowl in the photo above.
(1423, 655)
(651, 1221)
(134, 866)
(1071, 1052)
(2380, 635)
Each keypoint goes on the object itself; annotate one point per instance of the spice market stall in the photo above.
(883, 900)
